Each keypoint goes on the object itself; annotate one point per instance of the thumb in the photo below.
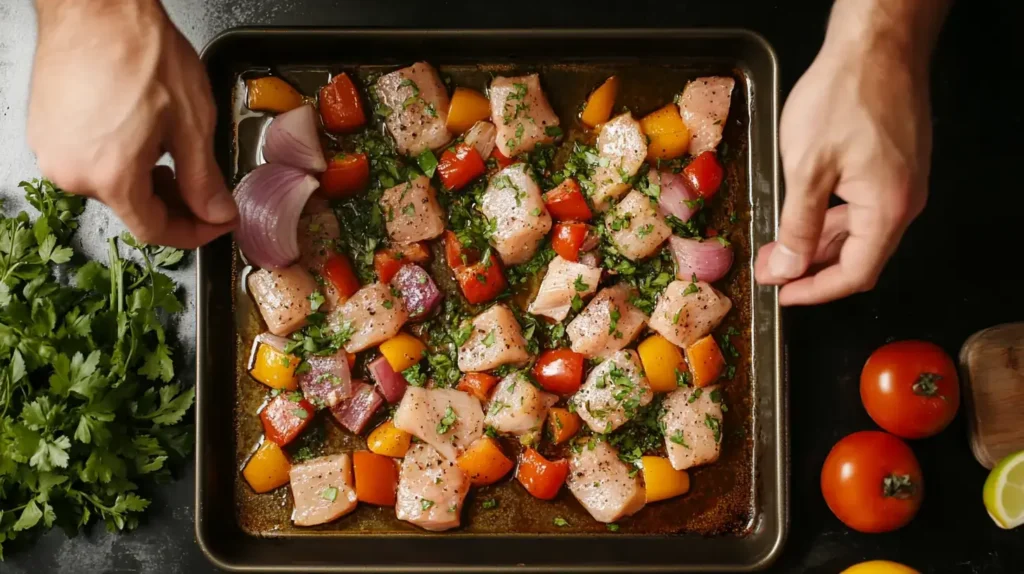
(803, 215)
(199, 178)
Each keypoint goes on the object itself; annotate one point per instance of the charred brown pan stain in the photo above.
(721, 497)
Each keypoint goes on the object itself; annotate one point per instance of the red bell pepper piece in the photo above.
(541, 477)
(568, 238)
(460, 166)
(339, 272)
(566, 202)
(559, 371)
(340, 105)
(388, 261)
(500, 159)
(481, 281)
(704, 174)
(347, 174)
(285, 417)
(455, 254)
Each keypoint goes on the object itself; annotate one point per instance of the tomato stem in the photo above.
(897, 486)
(926, 385)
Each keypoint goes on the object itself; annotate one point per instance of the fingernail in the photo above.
(785, 263)
(221, 208)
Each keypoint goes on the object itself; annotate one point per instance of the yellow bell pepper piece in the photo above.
(662, 480)
(274, 368)
(600, 103)
(467, 107)
(402, 351)
(387, 440)
(661, 359)
(268, 468)
(271, 94)
(669, 136)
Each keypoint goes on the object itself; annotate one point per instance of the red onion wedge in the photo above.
(418, 291)
(292, 140)
(675, 193)
(391, 384)
(354, 412)
(328, 380)
(709, 260)
(481, 137)
(270, 199)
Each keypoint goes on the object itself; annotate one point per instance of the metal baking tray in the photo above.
(736, 518)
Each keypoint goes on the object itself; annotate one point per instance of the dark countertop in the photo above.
(950, 278)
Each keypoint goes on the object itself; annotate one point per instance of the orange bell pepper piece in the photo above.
(267, 469)
(600, 103)
(376, 478)
(562, 424)
(467, 107)
(340, 105)
(706, 361)
(669, 136)
(271, 94)
(541, 477)
(478, 384)
(484, 462)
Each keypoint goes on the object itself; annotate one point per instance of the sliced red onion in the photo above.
(481, 136)
(354, 412)
(391, 384)
(328, 380)
(709, 260)
(675, 193)
(292, 140)
(270, 199)
(591, 241)
(591, 259)
(418, 290)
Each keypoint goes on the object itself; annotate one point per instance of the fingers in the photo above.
(833, 234)
(809, 184)
(198, 176)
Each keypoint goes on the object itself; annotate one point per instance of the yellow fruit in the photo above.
(879, 567)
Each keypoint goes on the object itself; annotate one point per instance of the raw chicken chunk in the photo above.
(603, 485)
(411, 211)
(608, 323)
(518, 407)
(482, 136)
(687, 311)
(431, 489)
(636, 227)
(563, 281)
(282, 296)
(446, 419)
(522, 114)
(613, 392)
(693, 427)
(323, 489)
(374, 314)
(495, 340)
(704, 105)
(418, 104)
(622, 147)
(318, 235)
(514, 203)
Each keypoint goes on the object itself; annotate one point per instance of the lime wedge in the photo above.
(1004, 492)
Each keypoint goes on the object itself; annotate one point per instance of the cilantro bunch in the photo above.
(90, 415)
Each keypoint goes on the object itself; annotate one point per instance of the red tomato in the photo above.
(285, 417)
(347, 174)
(478, 384)
(541, 477)
(910, 388)
(872, 482)
(568, 238)
(566, 202)
(559, 371)
(481, 281)
(339, 272)
(500, 159)
(455, 254)
(704, 174)
(340, 106)
(387, 262)
(459, 167)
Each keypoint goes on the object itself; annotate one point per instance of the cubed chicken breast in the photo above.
(495, 340)
(373, 315)
(514, 203)
(318, 239)
(522, 114)
(416, 103)
(622, 147)
(693, 427)
(431, 489)
(482, 137)
(282, 296)
(446, 419)
(608, 323)
(613, 392)
(602, 483)
(518, 407)
(687, 311)
(564, 281)
(704, 105)
(411, 211)
(323, 489)
(636, 227)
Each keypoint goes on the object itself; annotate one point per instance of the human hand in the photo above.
(114, 86)
(858, 125)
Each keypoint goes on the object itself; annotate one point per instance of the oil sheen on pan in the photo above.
(720, 497)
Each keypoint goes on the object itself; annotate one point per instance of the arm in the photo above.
(114, 86)
(856, 125)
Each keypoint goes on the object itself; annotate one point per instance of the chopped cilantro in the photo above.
(447, 421)
(489, 503)
(427, 162)
(330, 494)
(560, 522)
(426, 504)
(553, 131)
